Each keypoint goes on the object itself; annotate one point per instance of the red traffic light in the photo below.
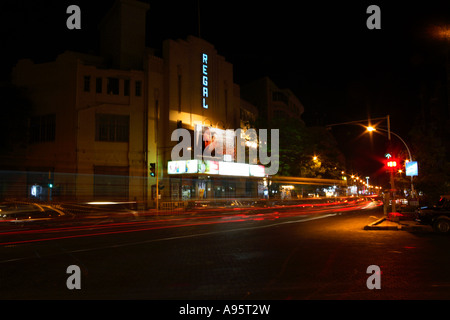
(391, 163)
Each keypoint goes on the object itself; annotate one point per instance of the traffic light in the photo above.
(152, 169)
(392, 164)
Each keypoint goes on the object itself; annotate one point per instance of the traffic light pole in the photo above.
(392, 170)
(387, 118)
(407, 149)
(392, 189)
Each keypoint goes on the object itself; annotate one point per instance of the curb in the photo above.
(375, 226)
(398, 227)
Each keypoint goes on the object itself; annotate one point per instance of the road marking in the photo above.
(205, 233)
(179, 237)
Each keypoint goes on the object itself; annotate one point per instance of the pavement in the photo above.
(404, 221)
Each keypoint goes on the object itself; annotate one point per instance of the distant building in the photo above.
(271, 101)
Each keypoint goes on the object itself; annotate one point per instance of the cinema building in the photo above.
(198, 94)
(102, 124)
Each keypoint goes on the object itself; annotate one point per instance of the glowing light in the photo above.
(440, 32)
(205, 80)
(392, 164)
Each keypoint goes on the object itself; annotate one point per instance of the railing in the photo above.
(172, 206)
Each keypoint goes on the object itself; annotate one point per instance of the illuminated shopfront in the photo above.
(206, 179)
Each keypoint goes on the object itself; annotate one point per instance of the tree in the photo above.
(434, 165)
(298, 146)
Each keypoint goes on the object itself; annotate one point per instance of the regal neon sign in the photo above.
(205, 80)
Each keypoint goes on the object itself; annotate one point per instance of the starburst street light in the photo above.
(372, 129)
(440, 31)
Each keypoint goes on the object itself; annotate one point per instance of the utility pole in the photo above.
(391, 172)
(387, 118)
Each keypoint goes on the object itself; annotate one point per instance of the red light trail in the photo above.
(91, 230)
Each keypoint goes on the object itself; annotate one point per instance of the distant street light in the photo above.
(440, 32)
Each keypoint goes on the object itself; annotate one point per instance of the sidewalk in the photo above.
(404, 221)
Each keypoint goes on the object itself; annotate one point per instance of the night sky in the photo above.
(322, 50)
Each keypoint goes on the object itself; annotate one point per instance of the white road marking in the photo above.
(179, 237)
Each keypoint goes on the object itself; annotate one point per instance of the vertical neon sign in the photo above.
(205, 79)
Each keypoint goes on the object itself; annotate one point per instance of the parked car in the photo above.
(438, 215)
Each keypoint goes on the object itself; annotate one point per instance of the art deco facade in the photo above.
(100, 122)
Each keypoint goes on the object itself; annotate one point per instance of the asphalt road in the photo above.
(322, 254)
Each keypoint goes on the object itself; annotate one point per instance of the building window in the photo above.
(98, 85)
(126, 87)
(278, 113)
(138, 88)
(279, 96)
(112, 128)
(42, 128)
(87, 83)
(112, 86)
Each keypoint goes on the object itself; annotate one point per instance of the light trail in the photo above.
(179, 222)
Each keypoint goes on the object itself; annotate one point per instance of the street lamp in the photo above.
(371, 129)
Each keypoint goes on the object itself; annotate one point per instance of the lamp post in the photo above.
(407, 149)
(388, 121)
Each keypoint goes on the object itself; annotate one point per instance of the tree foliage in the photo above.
(299, 144)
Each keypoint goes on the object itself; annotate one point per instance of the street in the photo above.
(315, 253)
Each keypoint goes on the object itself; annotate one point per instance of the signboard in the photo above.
(215, 167)
(412, 168)
(191, 166)
(182, 166)
(233, 169)
(205, 80)
(174, 167)
(209, 167)
(257, 170)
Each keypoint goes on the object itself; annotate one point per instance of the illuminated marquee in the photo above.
(215, 167)
(205, 80)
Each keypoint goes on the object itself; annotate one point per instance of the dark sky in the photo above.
(322, 50)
